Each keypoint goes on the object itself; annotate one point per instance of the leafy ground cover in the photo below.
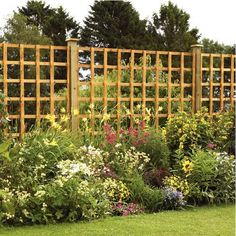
(207, 220)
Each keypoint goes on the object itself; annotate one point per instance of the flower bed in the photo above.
(55, 176)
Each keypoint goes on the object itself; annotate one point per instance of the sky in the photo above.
(215, 19)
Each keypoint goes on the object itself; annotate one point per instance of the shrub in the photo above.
(223, 130)
(150, 198)
(155, 177)
(185, 132)
(173, 199)
(210, 176)
(156, 148)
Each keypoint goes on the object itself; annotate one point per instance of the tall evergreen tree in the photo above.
(55, 23)
(171, 29)
(114, 24)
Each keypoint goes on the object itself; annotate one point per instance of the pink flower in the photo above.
(210, 145)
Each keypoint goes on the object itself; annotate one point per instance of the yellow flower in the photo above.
(138, 107)
(91, 106)
(64, 118)
(181, 146)
(55, 125)
(53, 143)
(50, 118)
(187, 166)
(75, 112)
(63, 110)
(106, 117)
(160, 108)
(84, 119)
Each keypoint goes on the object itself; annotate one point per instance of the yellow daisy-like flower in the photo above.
(187, 166)
(63, 110)
(64, 118)
(106, 117)
(55, 125)
(75, 112)
(50, 118)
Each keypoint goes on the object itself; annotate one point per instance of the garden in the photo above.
(54, 175)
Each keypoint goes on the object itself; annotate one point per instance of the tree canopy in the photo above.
(55, 23)
(114, 24)
(170, 28)
(18, 31)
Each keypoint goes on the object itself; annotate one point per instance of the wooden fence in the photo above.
(37, 80)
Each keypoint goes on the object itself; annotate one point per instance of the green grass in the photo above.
(212, 220)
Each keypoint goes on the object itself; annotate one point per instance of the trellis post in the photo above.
(72, 61)
(197, 49)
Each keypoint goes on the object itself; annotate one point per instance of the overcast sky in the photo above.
(215, 19)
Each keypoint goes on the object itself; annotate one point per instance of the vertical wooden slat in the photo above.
(22, 91)
(131, 87)
(118, 90)
(182, 81)
(211, 85)
(144, 72)
(105, 82)
(157, 71)
(169, 83)
(5, 90)
(52, 80)
(37, 85)
(92, 120)
(222, 83)
(232, 81)
(4, 61)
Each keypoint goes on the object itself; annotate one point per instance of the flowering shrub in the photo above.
(124, 209)
(185, 132)
(210, 176)
(127, 162)
(176, 183)
(173, 199)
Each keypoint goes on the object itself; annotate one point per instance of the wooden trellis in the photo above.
(32, 76)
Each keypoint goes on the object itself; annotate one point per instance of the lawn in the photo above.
(211, 220)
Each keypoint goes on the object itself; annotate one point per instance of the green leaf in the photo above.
(4, 146)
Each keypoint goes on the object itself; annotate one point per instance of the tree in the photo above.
(55, 23)
(18, 31)
(210, 46)
(114, 24)
(171, 29)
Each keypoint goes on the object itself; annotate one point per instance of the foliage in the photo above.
(118, 17)
(54, 23)
(4, 121)
(222, 128)
(156, 148)
(174, 199)
(170, 29)
(150, 198)
(155, 176)
(185, 131)
(210, 46)
(125, 209)
(18, 31)
(209, 175)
